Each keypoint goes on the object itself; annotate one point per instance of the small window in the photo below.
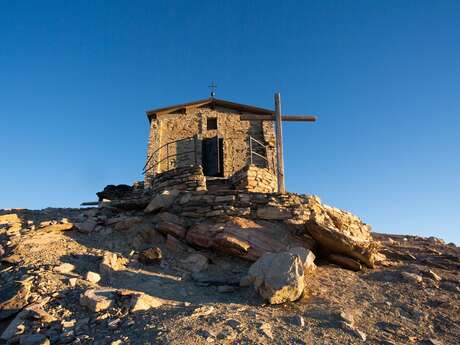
(211, 123)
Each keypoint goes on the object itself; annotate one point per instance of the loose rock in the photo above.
(278, 277)
(150, 256)
(93, 277)
(97, 300)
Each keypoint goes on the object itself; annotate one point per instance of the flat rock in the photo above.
(345, 262)
(142, 302)
(171, 228)
(58, 227)
(411, 277)
(64, 268)
(273, 213)
(97, 300)
(245, 238)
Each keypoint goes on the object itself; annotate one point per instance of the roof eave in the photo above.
(214, 101)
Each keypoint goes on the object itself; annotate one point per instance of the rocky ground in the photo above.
(178, 294)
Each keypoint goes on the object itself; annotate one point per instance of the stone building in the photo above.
(225, 142)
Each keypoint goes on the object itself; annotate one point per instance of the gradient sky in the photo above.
(383, 77)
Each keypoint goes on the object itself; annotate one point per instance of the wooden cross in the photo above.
(278, 118)
(213, 88)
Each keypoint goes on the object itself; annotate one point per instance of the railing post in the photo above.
(266, 156)
(250, 149)
(195, 145)
(167, 156)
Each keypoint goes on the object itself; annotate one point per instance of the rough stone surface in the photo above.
(306, 256)
(64, 268)
(111, 262)
(93, 277)
(345, 262)
(245, 238)
(162, 200)
(278, 277)
(196, 262)
(87, 226)
(97, 300)
(180, 130)
(341, 232)
(150, 256)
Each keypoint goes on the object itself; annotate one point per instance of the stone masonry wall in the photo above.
(183, 179)
(289, 207)
(255, 179)
(234, 132)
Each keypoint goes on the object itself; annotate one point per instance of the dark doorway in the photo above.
(213, 157)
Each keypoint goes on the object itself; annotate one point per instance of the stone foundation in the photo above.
(255, 179)
(189, 178)
(291, 208)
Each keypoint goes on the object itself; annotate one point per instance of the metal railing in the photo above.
(253, 145)
(155, 162)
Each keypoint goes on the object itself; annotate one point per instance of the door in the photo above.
(212, 157)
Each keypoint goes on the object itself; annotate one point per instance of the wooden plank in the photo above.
(279, 144)
(305, 118)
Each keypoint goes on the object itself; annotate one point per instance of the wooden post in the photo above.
(279, 144)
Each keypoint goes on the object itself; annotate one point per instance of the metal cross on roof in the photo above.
(213, 88)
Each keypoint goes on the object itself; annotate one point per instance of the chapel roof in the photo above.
(243, 108)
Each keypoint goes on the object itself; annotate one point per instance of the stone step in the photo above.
(217, 184)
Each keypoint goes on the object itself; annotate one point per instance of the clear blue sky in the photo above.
(383, 76)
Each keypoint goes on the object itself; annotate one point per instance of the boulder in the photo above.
(340, 232)
(277, 277)
(161, 201)
(246, 238)
(97, 300)
(150, 256)
(195, 263)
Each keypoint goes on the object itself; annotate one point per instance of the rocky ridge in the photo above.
(221, 267)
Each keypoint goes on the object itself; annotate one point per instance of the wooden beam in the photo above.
(306, 118)
(279, 144)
